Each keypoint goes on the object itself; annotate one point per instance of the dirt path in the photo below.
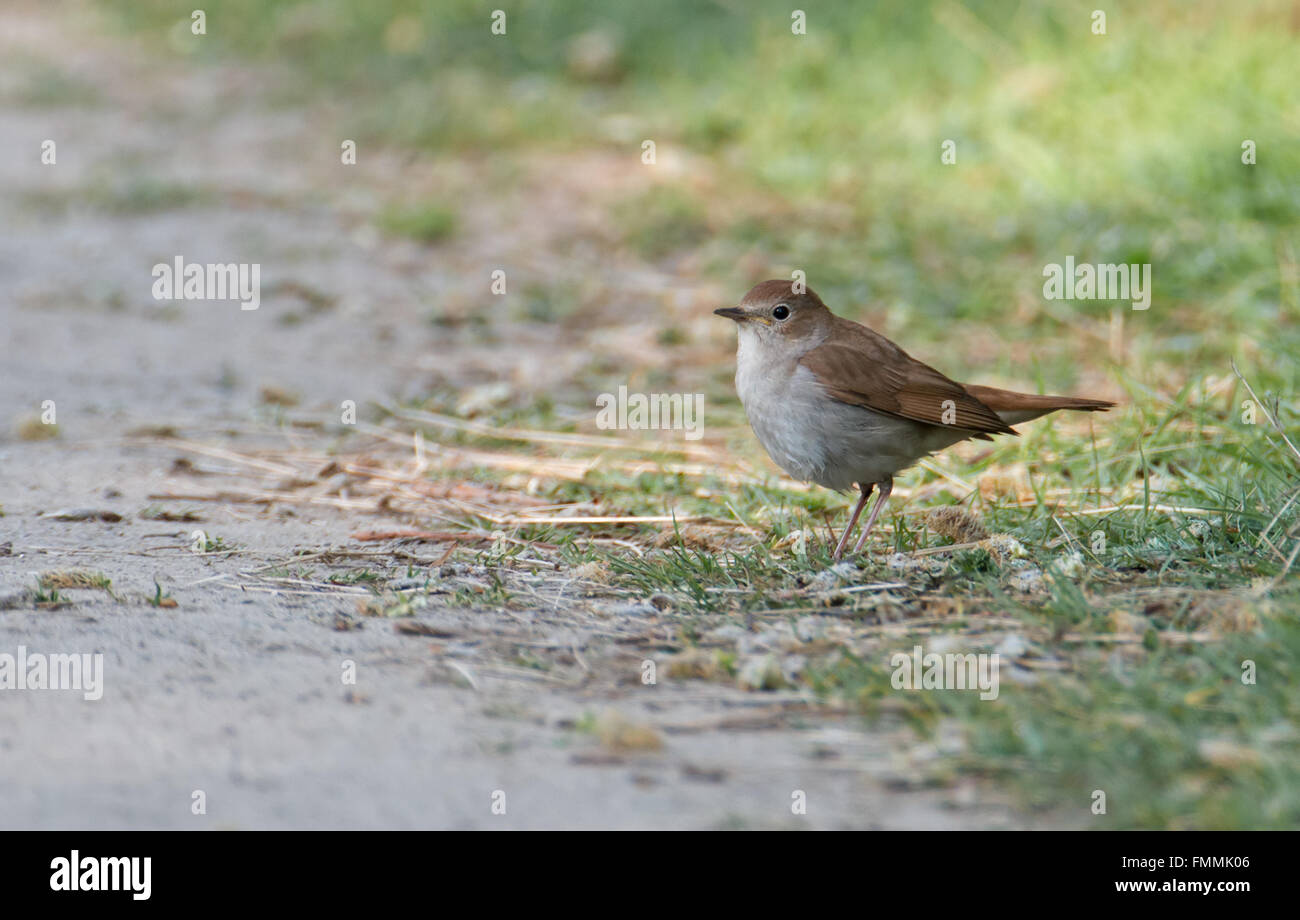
(237, 690)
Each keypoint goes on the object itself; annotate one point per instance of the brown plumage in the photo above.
(836, 403)
(1011, 401)
(863, 368)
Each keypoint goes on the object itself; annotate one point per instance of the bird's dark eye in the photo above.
(781, 311)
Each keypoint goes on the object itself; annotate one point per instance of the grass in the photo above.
(1158, 539)
(1175, 737)
(33, 428)
(356, 577)
(423, 223)
(1160, 535)
(71, 579)
(201, 542)
(161, 598)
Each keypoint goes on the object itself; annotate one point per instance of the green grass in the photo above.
(1173, 736)
(423, 223)
(1146, 639)
(356, 577)
(160, 597)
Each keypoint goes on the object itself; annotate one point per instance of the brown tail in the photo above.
(1021, 407)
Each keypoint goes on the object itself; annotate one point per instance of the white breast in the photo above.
(818, 439)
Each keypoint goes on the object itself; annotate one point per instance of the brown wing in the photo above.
(863, 368)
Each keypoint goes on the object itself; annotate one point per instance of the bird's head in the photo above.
(779, 308)
(781, 312)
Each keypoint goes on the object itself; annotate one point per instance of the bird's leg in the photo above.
(857, 510)
(885, 488)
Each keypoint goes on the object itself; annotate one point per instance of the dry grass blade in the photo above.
(1295, 451)
(549, 437)
(280, 469)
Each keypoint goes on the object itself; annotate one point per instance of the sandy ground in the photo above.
(237, 691)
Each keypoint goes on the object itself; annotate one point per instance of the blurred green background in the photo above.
(1123, 147)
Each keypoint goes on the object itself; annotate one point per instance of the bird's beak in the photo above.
(735, 313)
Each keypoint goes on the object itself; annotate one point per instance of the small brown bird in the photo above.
(834, 403)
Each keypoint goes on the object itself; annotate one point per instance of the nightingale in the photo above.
(838, 404)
